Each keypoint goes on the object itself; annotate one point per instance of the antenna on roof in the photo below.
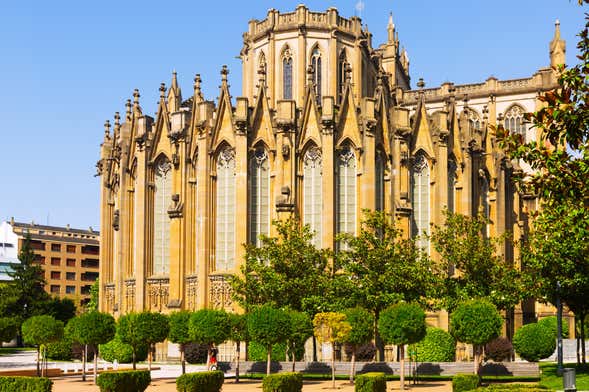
(360, 5)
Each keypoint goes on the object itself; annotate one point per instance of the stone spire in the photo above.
(136, 107)
(174, 94)
(557, 47)
(197, 86)
(391, 29)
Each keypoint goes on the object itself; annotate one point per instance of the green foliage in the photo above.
(499, 349)
(61, 350)
(284, 271)
(178, 322)
(534, 342)
(124, 381)
(465, 382)
(331, 327)
(475, 322)
(122, 352)
(62, 309)
(238, 330)
(200, 382)
(268, 325)
(153, 327)
(25, 384)
(437, 346)
(39, 330)
(371, 382)
(92, 328)
(551, 380)
(512, 388)
(552, 323)
(362, 322)
(258, 352)
(209, 326)
(283, 382)
(8, 329)
(483, 272)
(301, 329)
(402, 323)
(92, 305)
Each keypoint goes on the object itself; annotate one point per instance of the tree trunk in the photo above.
(149, 354)
(294, 358)
(95, 364)
(353, 366)
(578, 340)
(134, 359)
(237, 364)
(333, 365)
(268, 360)
(182, 359)
(402, 364)
(38, 355)
(377, 340)
(475, 349)
(583, 338)
(84, 356)
(314, 349)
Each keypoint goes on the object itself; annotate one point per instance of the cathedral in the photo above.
(327, 125)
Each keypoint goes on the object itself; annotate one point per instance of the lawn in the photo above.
(12, 350)
(551, 380)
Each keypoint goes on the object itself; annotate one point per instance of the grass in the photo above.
(12, 350)
(551, 380)
(408, 378)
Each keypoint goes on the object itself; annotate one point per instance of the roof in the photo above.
(55, 228)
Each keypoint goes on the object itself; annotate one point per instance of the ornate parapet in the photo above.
(191, 288)
(220, 292)
(109, 297)
(129, 295)
(158, 291)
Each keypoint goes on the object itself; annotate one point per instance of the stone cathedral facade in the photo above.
(326, 125)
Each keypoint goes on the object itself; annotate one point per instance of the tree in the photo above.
(40, 330)
(383, 268)
(534, 342)
(92, 329)
(238, 334)
(179, 333)
(92, 305)
(301, 329)
(210, 327)
(62, 309)
(131, 333)
(8, 328)
(268, 325)
(362, 323)
(154, 328)
(402, 324)
(476, 322)
(331, 327)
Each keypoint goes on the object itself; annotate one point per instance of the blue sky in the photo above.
(67, 66)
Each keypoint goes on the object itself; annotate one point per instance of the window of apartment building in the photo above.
(55, 261)
(70, 275)
(55, 289)
(39, 259)
(70, 289)
(55, 247)
(70, 262)
(55, 275)
(37, 245)
(71, 248)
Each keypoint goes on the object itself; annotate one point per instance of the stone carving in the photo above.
(220, 292)
(109, 295)
(129, 295)
(191, 292)
(158, 290)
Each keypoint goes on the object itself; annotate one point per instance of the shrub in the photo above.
(60, 350)
(371, 382)
(122, 352)
(29, 384)
(534, 341)
(465, 382)
(498, 349)
(124, 381)
(195, 353)
(200, 382)
(283, 382)
(257, 352)
(437, 346)
(513, 388)
(552, 323)
(365, 352)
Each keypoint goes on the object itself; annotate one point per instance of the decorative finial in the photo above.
(557, 29)
(128, 110)
(136, 96)
(174, 79)
(162, 91)
(107, 129)
(224, 73)
(117, 120)
(421, 83)
(465, 100)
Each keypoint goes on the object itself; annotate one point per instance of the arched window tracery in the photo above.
(161, 219)
(420, 178)
(287, 73)
(316, 64)
(341, 75)
(225, 213)
(379, 178)
(312, 192)
(259, 182)
(514, 120)
(346, 191)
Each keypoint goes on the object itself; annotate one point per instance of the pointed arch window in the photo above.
(225, 214)
(452, 178)
(262, 62)
(379, 185)
(346, 191)
(514, 120)
(420, 191)
(287, 74)
(161, 219)
(259, 211)
(341, 75)
(316, 64)
(312, 193)
(474, 119)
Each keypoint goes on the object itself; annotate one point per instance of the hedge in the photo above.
(283, 382)
(512, 388)
(533, 342)
(25, 384)
(371, 382)
(200, 382)
(437, 346)
(124, 381)
(465, 382)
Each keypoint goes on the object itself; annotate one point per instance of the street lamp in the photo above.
(559, 368)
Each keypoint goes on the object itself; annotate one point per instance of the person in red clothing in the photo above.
(213, 351)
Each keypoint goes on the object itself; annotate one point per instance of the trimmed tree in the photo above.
(210, 327)
(154, 328)
(129, 333)
(92, 329)
(301, 329)
(40, 330)
(437, 346)
(179, 333)
(476, 322)
(362, 323)
(238, 334)
(402, 324)
(534, 342)
(268, 326)
(331, 327)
